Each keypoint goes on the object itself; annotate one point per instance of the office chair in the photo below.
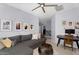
(68, 40)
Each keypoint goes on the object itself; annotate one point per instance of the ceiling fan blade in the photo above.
(43, 9)
(58, 8)
(36, 8)
(43, 4)
(39, 3)
(50, 5)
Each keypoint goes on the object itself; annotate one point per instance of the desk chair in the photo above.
(68, 40)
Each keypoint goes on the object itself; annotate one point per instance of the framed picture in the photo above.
(25, 26)
(5, 25)
(70, 23)
(18, 25)
(76, 25)
(64, 23)
(30, 27)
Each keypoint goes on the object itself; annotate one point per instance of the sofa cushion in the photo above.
(15, 39)
(32, 43)
(17, 50)
(35, 36)
(26, 37)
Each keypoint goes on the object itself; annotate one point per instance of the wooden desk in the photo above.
(61, 37)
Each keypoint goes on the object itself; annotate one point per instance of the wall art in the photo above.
(5, 25)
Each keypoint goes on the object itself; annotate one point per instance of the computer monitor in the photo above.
(70, 31)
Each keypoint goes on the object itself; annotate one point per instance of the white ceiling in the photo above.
(50, 11)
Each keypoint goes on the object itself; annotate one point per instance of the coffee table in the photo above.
(45, 49)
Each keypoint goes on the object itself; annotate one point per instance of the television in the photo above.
(70, 31)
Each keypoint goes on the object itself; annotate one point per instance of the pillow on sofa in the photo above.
(7, 42)
(15, 39)
(26, 37)
(35, 36)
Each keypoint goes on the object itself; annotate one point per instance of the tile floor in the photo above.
(60, 49)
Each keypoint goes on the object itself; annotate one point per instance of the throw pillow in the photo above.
(35, 36)
(7, 42)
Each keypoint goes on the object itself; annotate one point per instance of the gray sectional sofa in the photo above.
(22, 45)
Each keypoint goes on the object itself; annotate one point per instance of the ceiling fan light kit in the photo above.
(42, 5)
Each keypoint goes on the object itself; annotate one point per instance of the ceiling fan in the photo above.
(42, 5)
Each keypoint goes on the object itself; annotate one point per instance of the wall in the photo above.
(53, 27)
(13, 14)
(68, 15)
(48, 25)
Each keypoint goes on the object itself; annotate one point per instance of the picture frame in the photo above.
(25, 26)
(77, 25)
(31, 26)
(64, 23)
(18, 25)
(70, 23)
(5, 25)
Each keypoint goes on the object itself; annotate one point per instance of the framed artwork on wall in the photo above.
(5, 25)
(18, 25)
(76, 25)
(70, 23)
(64, 23)
(31, 26)
(25, 26)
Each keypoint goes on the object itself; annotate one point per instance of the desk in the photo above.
(61, 37)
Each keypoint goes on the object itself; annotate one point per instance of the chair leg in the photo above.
(72, 47)
(64, 45)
